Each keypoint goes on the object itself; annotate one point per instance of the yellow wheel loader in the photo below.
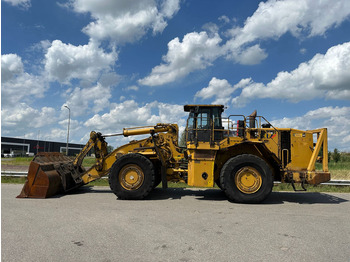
(243, 155)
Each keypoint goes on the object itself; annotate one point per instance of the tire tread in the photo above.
(230, 189)
(149, 173)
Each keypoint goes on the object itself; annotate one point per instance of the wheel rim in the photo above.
(131, 177)
(248, 180)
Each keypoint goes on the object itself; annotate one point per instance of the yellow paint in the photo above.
(201, 164)
(131, 177)
(248, 180)
(301, 149)
(322, 140)
(309, 177)
(201, 173)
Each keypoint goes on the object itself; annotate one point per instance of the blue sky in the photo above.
(127, 63)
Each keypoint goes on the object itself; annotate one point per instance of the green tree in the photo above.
(110, 149)
(329, 156)
(336, 155)
(182, 142)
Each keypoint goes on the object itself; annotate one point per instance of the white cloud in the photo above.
(196, 51)
(272, 19)
(210, 28)
(108, 79)
(224, 19)
(129, 114)
(303, 51)
(301, 18)
(324, 76)
(125, 21)
(64, 62)
(335, 119)
(218, 88)
(56, 134)
(20, 3)
(133, 88)
(84, 100)
(11, 66)
(18, 84)
(249, 56)
(21, 118)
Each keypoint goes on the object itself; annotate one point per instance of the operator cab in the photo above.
(204, 123)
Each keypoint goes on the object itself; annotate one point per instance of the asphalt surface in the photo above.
(174, 225)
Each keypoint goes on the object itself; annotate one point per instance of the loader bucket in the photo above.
(50, 173)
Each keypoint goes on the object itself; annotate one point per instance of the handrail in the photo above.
(225, 122)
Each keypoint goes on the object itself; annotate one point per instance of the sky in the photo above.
(121, 63)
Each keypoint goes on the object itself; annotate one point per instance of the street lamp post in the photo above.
(68, 129)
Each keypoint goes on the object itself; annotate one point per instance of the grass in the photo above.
(25, 161)
(339, 170)
(13, 180)
(16, 161)
(89, 161)
(335, 166)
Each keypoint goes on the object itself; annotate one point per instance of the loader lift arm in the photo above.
(97, 141)
(105, 161)
(52, 173)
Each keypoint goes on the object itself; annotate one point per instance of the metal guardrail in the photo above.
(14, 173)
(329, 183)
(20, 174)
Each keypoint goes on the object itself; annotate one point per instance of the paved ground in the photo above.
(174, 225)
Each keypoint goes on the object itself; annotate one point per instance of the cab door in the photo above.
(199, 125)
(204, 125)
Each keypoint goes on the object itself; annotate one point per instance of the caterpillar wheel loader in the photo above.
(243, 155)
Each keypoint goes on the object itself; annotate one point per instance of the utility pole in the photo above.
(68, 129)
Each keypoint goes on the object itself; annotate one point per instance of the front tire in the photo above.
(246, 179)
(132, 176)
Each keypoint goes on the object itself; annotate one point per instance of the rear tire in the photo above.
(246, 179)
(132, 176)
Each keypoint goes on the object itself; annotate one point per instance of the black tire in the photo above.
(218, 183)
(132, 176)
(246, 179)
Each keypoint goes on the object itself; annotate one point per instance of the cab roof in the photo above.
(188, 108)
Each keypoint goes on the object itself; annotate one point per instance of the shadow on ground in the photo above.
(303, 198)
(218, 195)
(274, 198)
